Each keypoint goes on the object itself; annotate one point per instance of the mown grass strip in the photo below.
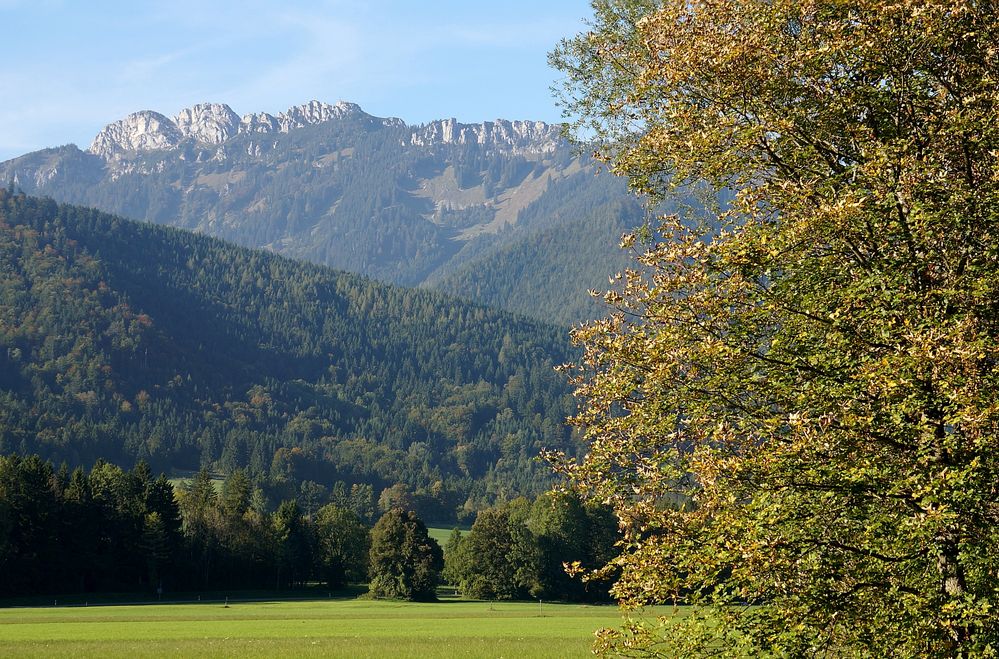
(355, 628)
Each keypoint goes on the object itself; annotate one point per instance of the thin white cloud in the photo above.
(144, 69)
(327, 52)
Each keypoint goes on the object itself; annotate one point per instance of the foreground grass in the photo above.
(338, 628)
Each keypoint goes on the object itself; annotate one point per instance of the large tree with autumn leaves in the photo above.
(794, 406)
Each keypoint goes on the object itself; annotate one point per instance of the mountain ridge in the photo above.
(216, 123)
(404, 204)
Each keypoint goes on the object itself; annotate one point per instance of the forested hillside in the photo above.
(127, 341)
(546, 272)
(460, 206)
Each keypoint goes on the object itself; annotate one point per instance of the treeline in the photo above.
(111, 530)
(131, 342)
(524, 549)
(108, 530)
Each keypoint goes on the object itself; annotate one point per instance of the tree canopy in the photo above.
(792, 405)
(343, 545)
(520, 549)
(405, 562)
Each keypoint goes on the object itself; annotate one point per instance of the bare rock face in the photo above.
(209, 123)
(501, 135)
(315, 112)
(140, 131)
(258, 123)
(216, 123)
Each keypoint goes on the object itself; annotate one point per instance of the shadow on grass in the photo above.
(314, 593)
(311, 593)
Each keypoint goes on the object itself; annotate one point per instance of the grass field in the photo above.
(442, 534)
(337, 628)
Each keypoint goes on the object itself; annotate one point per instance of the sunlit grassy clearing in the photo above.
(356, 628)
(442, 534)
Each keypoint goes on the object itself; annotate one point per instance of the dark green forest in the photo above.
(107, 530)
(124, 342)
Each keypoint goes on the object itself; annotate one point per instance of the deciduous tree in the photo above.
(793, 405)
(342, 546)
(490, 557)
(405, 562)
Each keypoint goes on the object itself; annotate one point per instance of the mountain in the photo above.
(440, 204)
(124, 341)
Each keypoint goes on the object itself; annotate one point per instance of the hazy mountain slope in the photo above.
(336, 186)
(123, 341)
(561, 250)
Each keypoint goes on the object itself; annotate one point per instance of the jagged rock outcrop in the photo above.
(210, 123)
(216, 123)
(258, 123)
(315, 112)
(510, 136)
(139, 131)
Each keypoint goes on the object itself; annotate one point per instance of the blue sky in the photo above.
(67, 68)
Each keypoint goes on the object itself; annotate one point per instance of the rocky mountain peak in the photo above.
(315, 112)
(139, 131)
(503, 135)
(216, 123)
(210, 123)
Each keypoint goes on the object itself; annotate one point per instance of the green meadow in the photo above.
(441, 534)
(337, 628)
